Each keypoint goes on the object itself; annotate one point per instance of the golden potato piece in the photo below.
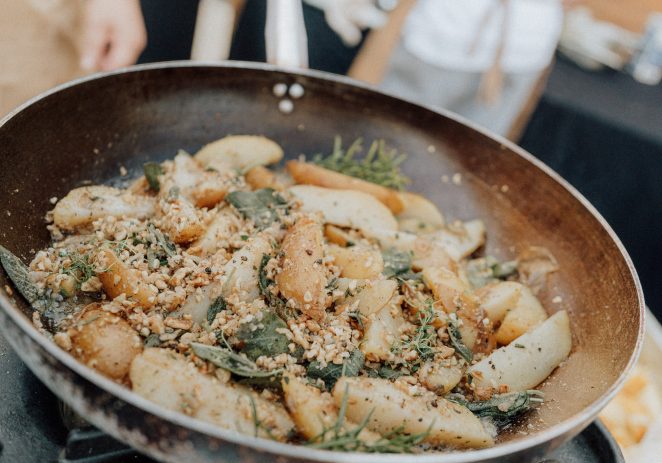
(361, 262)
(446, 287)
(170, 380)
(419, 211)
(84, 205)
(345, 208)
(530, 359)
(315, 412)
(389, 408)
(117, 278)
(259, 177)
(105, 342)
(239, 152)
(303, 276)
(526, 314)
(310, 174)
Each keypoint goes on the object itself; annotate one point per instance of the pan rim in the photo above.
(297, 451)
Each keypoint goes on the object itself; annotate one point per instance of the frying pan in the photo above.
(85, 130)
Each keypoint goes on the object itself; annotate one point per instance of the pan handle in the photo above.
(285, 34)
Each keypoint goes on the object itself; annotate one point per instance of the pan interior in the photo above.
(85, 133)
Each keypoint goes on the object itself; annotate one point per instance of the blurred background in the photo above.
(575, 82)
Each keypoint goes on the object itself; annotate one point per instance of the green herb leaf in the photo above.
(152, 171)
(396, 262)
(152, 340)
(380, 165)
(456, 341)
(228, 360)
(503, 408)
(218, 305)
(486, 270)
(332, 372)
(261, 338)
(19, 274)
(260, 206)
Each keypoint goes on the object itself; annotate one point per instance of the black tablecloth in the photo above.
(602, 131)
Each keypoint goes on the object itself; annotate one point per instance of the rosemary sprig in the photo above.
(425, 336)
(339, 438)
(380, 165)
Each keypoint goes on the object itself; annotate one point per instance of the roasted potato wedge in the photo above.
(310, 174)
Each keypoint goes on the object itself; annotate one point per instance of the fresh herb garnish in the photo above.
(396, 262)
(217, 306)
(262, 338)
(81, 269)
(380, 165)
(332, 372)
(225, 358)
(424, 337)
(160, 247)
(456, 340)
(503, 408)
(152, 171)
(260, 206)
(486, 270)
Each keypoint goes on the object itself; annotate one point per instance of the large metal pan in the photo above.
(84, 131)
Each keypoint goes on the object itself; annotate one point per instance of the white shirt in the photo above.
(464, 35)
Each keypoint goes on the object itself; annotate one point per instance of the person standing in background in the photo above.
(479, 58)
(47, 42)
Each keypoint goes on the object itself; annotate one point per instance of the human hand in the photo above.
(348, 18)
(113, 34)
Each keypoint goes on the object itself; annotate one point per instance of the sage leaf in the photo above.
(503, 408)
(486, 270)
(396, 262)
(217, 306)
(332, 372)
(456, 341)
(260, 206)
(152, 171)
(275, 302)
(262, 338)
(19, 274)
(228, 360)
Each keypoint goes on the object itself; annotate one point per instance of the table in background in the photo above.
(602, 131)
